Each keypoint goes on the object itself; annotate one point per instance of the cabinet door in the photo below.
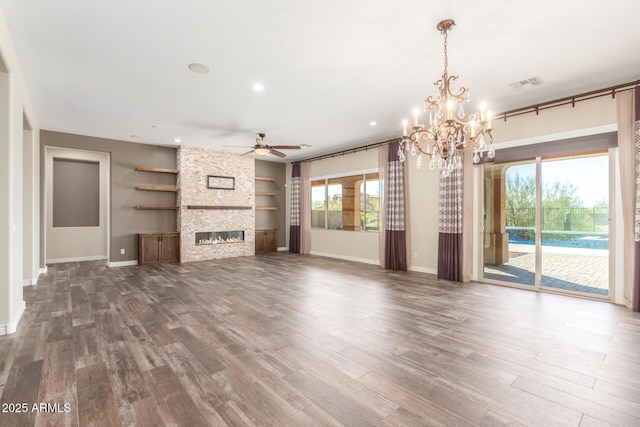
(148, 248)
(170, 248)
(260, 247)
(271, 241)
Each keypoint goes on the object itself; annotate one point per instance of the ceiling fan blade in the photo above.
(286, 147)
(277, 153)
(248, 152)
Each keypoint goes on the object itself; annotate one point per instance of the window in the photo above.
(318, 204)
(347, 203)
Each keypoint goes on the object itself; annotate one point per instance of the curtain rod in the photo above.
(536, 108)
(348, 151)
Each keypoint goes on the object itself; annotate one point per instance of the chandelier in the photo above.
(448, 135)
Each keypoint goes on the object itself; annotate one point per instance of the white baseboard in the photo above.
(76, 259)
(347, 258)
(12, 327)
(283, 249)
(423, 269)
(33, 281)
(122, 263)
(44, 270)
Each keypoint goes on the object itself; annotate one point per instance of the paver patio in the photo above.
(582, 270)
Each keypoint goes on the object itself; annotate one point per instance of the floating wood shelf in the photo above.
(154, 188)
(228, 208)
(265, 193)
(152, 169)
(264, 178)
(156, 208)
(266, 208)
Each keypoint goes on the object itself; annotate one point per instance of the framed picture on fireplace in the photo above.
(221, 182)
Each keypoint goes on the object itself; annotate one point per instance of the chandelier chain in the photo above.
(446, 56)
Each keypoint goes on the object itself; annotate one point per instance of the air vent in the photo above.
(526, 84)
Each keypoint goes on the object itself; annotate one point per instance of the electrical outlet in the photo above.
(122, 251)
(415, 254)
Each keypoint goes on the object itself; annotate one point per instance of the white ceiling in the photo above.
(119, 68)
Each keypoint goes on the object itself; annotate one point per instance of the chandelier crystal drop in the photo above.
(448, 135)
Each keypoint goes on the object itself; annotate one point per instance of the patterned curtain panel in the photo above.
(450, 227)
(395, 251)
(296, 206)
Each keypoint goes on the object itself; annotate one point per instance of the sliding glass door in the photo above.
(546, 224)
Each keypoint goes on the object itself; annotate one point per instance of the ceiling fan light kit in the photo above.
(448, 135)
(263, 149)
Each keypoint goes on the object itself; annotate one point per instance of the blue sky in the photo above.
(589, 174)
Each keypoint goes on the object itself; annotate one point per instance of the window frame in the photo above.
(363, 173)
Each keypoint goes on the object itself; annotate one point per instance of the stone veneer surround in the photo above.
(195, 164)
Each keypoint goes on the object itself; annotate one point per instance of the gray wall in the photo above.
(126, 221)
(272, 219)
(76, 193)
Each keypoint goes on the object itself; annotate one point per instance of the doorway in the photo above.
(546, 224)
(77, 205)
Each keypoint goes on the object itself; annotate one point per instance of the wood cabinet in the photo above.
(266, 241)
(156, 248)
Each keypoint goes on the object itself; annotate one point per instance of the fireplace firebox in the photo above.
(219, 237)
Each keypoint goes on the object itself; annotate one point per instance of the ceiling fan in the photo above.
(262, 148)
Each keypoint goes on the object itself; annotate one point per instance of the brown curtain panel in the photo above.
(294, 219)
(395, 251)
(450, 227)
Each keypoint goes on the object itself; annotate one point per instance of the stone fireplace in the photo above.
(215, 223)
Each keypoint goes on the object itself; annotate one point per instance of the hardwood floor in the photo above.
(289, 340)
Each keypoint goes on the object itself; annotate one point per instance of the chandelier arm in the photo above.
(460, 95)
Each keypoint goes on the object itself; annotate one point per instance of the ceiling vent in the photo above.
(526, 84)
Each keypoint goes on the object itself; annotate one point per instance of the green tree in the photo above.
(520, 200)
(559, 201)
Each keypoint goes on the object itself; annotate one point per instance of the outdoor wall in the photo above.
(126, 221)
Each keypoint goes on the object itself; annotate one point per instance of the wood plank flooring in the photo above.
(290, 340)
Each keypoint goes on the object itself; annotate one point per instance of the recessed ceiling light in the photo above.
(199, 68)
(258, 87)
(373, 123)
(177, 140)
